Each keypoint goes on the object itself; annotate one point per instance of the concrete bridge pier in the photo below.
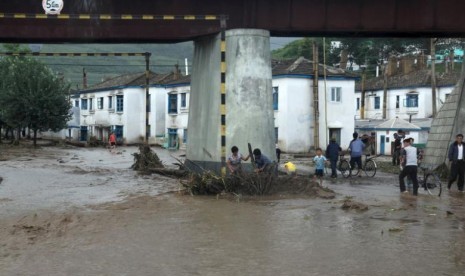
(249, 111)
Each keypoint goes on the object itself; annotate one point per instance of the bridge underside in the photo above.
(414, 18)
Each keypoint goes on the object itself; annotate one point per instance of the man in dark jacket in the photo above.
(332, 154)
(396, 151)
(456, 157)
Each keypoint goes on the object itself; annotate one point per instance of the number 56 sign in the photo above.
(52, 6)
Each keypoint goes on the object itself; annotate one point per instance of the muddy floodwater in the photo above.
(84, 212)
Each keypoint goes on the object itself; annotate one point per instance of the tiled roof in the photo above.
(182, 79)
(302, 66)
(419, 78)
(397, 123)
(132, 79)
(424, 123)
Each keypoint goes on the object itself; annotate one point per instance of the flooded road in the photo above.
(173, 234)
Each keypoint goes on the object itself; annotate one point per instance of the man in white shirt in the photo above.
(408, 159)
(456, 157)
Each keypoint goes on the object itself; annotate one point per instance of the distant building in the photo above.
(294, 103)
(409, 98)
(177, 95)
(118, 105)
(383, 131)
(407, 95)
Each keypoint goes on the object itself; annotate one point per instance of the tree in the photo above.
(303, 48)
(32, 96)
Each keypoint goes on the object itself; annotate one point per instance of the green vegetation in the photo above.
(163, 59)
(366, 51)
(32, 96)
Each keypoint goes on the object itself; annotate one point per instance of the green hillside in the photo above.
(163, 59)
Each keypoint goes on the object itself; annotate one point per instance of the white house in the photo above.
(177, 96)
(294, 103)
(383, 131)
(407, 95)
(118, 105)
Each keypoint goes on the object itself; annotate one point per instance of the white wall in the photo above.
(339, 114)
(132, 118)
(178, 120)
(294, 117)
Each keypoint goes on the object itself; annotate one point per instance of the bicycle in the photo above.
(369, 166)
(343, 166)
(430, 181)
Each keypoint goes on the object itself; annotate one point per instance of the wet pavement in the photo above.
(173, 234)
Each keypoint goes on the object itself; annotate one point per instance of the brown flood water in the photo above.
(172, 234)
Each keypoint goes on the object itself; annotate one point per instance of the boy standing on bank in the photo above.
(320, 161)
(408, 159)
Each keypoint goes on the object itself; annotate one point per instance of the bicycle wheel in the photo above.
(355, 171)
(370, 168)
(433, 184)
(344, 168)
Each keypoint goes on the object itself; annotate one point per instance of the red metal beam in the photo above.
(282, 17)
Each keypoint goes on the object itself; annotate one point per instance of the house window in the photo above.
(336, 94)
(76, 103)
(184, 137)
(411, 100)
(173, 103)
(447, 96)
(183, 100)
(110, 102)
(276, 135)
(84, 104)
(91, 104)
(377, 102)
(119, 103)
(358, 103)
(100, 103)
(397, 101)
(275, 97)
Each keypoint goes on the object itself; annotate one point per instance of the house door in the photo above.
(173, 138)
(83, 136)
(336, 133)
(119, 134)
(382, 144)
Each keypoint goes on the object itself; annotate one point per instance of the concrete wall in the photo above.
(249, 113)
(248, 84)
(447, 123)
(204, 118)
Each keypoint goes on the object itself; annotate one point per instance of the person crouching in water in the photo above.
(262, 162)
(234, 161)
(408, 158)
(320, 162)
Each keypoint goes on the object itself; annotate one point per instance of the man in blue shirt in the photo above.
(356, 150)
(261, 161)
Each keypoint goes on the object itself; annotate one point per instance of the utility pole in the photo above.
(433, 74)
(362, 100)
(385, 93)
(316, 114)
(147, 97)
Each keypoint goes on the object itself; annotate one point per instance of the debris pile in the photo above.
(146, 159)
(253, 184)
